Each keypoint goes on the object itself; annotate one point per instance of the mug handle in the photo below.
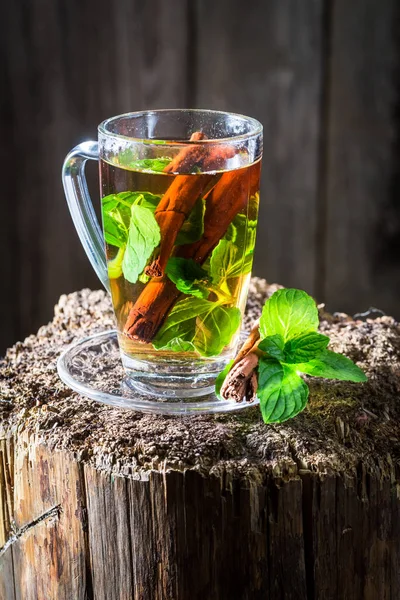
(81, 207)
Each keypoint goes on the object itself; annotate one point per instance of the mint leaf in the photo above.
(193, 227)
(305, 347)
(215, 329)
(242, 231)
(116, 212)
(282, 393)
(222, 257)
(200, 325)
(289, 313)
(188, 276)
(114, 266)
(233, 256)
(221, 378)
(273, 345)
(227, 260)
(180, 325)
(331, 365)
(147, 200)
(144, 236)
(153, 165)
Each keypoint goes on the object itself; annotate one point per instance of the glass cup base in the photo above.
(172, 379)
(93, 368)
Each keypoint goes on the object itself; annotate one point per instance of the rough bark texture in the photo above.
(105, 503)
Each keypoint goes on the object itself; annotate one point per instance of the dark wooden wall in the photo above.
(322, 75)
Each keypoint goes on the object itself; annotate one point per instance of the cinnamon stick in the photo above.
(178, 201)
(187, 158)
(223, 202)
(241, 381)
(181, 196)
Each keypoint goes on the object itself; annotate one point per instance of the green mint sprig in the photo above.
(291, 345)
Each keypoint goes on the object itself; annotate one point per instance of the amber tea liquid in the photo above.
(179, 252)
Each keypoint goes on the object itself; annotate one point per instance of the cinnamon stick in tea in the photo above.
(187, 158)
(181, 196)
(178, 201)
(223, 202)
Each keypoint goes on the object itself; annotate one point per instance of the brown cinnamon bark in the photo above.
(187, 158)
(181, 196)
(178, 201)
(223, 202)
(241, 381)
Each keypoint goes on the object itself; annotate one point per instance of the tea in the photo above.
(179, 251)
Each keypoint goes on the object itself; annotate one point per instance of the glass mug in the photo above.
(179, 203)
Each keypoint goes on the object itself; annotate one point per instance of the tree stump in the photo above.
(106, 503)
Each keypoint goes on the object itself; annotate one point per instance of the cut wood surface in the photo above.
(105, 503)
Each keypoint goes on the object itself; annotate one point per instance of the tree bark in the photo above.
(109, 504)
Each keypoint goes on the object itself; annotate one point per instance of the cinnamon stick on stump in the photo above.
(241, 382)
(223, 202)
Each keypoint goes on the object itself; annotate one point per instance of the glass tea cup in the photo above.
(179, 204)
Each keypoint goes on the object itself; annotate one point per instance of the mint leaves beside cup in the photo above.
(290, 345)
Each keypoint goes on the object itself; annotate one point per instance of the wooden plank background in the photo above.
(323, 76)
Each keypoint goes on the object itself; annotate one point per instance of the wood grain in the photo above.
(185, 536)
(362, 213)
(109, 536)
(267, 62)
(50, 550)
(7, 583)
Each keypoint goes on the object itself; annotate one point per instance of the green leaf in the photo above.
(188, 276)
(282, 393)
(143, 278)
(198, 324)
(116, 211)
(331, 365)
(233, 256)
(273, 345)
(147, 200)
(305, 347)
(221, 378)
(242, 231)
(222, 257)
(180, 325)
(152, 165)
(144, 237)
(215, 329)
(289, 313)
(193, 228)
(227, 260)
(114, 266)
